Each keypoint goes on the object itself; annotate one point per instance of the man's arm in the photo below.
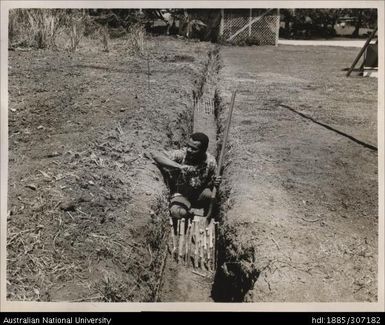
(214, 179)
(163, 161)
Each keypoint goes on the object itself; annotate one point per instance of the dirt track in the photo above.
(342, 43)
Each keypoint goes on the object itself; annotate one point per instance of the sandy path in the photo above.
(343, 43)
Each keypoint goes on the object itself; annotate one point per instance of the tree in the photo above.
(288, 17)
(321, 22)
(364, 18)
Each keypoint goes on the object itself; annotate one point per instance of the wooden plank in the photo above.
(361, 51)
(188, 243)
(215, 245)
(196, 243)
(208, 252)
(178, 238)
(173, 250)
(181, 238)
(201, 251)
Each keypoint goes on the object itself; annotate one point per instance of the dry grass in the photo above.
(76, 26)
(65, 29)
(85, 195)
(105, 38)
(45, 269)
(135, 39)
(34, 27)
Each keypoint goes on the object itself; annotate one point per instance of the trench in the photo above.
(237, 269)
(235, 274)
(176, 281)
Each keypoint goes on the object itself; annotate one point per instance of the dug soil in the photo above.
(299, 202)
(87, 206)
(88, 211)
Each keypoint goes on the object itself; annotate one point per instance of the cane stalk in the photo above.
(221, 156)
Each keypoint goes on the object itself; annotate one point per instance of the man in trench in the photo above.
(195, 177)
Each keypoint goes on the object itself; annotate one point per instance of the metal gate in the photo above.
(250, 26)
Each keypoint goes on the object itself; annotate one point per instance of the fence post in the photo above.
(250, 18)
(222, 24)
(278, 27)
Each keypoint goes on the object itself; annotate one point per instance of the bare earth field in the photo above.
(301, 199)
(88, 208)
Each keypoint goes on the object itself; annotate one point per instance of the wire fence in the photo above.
(252, 26)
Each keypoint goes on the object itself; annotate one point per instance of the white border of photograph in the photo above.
(126, 307)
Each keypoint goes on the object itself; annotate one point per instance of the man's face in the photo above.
(194, 149)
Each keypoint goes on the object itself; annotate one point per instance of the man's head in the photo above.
(197, 145)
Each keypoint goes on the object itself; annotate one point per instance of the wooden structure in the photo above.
(362, 52)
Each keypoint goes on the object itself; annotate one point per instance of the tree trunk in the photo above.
(212, 29)
(358, 24)
(287, 25)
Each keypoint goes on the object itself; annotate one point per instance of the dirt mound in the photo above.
(87, 207)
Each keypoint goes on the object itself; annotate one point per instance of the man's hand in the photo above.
(187, 168)
(217, 180)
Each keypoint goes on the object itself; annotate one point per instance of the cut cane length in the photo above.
(193, 239)
(193, 243)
